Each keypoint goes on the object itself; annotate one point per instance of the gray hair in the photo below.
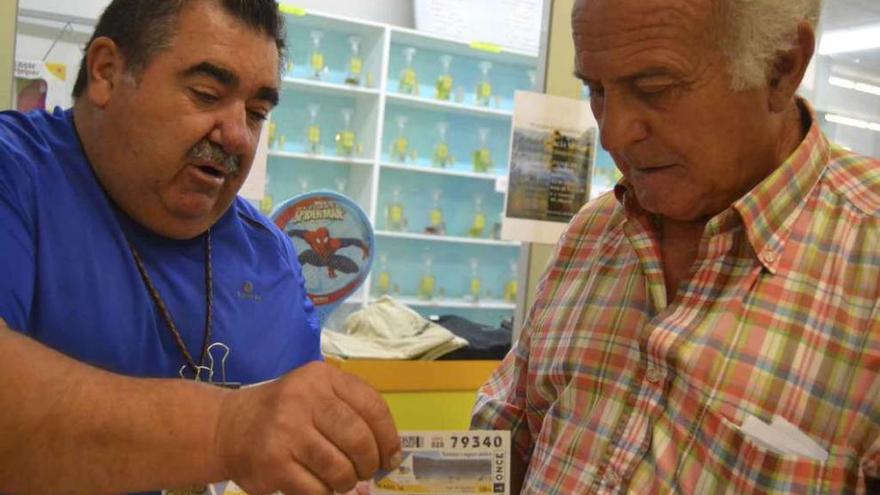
(751, 33)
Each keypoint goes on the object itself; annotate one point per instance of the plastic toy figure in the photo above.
(428, 281)
(323, 250)
(479, 223)
(443, 87)
(436, 224)
(400, 146)
(442, 157)
(395, 219)
(408, 82)
(273, 134)
(383, 276)
(482, 155)
(316, 61)
(484, 87)
(512, 285)
(355, 62)
(313, 131)
(346, 141)
(476, 283)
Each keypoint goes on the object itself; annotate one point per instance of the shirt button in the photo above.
(769, 256)
(654, 374)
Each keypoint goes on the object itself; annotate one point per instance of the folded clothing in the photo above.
(386, 329)
(484, 341)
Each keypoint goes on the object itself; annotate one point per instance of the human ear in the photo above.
(789, 68)
(105, 67)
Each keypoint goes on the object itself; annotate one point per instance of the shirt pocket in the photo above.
(738, 464)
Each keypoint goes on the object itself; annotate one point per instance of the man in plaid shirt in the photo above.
(713, 325)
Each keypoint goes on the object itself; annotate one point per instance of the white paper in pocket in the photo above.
(782, 437)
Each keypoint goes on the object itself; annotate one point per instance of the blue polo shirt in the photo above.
(68, 279)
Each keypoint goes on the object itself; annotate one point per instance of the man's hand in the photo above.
(314, 431)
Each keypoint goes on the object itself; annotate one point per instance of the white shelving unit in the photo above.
(370, 175)
(445, 238)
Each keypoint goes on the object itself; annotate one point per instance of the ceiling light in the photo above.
(851, 122)
(850, 40)
(856, 86)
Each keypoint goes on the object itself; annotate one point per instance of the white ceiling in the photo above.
(842, 14)
(838, 14)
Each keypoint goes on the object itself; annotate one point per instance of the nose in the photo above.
(231, 131)
(621, 121)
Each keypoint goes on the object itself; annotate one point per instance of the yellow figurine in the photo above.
(484, 87)
(346, 142)
(512, 286)
(316, 60)
(427, 283)
(395, 219)
(442, 156)
(443, 87)
(355, 62)
(436, 225)
(313, 131)
(271, 131)
(475, 281)
(266, 204)
(383, 278)
(482, 160)
(400, 145)
(408, 83)
(478, 226)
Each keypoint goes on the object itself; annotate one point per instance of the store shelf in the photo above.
(438, 171)
(421, 103)
(314, 19)
(341, 160)
(372, 178)
(446, 238)
(427, 41)
(455, 303)
(326, 88)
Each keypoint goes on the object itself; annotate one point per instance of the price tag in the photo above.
(287, 8)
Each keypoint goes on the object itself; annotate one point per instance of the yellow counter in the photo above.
(425, 395)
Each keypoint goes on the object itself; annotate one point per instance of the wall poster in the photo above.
(552, 155)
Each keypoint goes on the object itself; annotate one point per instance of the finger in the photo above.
(298, 480)
(325, 461)
(369, 405)
(343, 427)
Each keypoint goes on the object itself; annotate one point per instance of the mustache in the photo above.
(205, 150)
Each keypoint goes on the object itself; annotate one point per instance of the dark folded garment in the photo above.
(486, 342)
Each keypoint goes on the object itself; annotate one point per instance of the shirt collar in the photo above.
(768, 211)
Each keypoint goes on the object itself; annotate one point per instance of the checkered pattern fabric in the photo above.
(613, 389)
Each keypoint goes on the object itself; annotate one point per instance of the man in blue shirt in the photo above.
(127, 252)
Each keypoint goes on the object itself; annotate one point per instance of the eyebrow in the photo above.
(229, 79)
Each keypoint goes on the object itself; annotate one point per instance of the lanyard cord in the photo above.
(166, 315)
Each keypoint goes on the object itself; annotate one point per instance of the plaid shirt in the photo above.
(612, 389)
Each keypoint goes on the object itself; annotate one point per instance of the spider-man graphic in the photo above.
(324, 247)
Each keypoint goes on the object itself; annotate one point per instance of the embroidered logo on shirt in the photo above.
(247, 292)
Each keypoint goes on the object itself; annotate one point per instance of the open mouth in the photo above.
(213, 172)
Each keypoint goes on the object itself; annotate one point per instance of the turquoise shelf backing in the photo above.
(292, 120)
(288, 175)
(450, 267)
(457, 202)
(462, 137)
